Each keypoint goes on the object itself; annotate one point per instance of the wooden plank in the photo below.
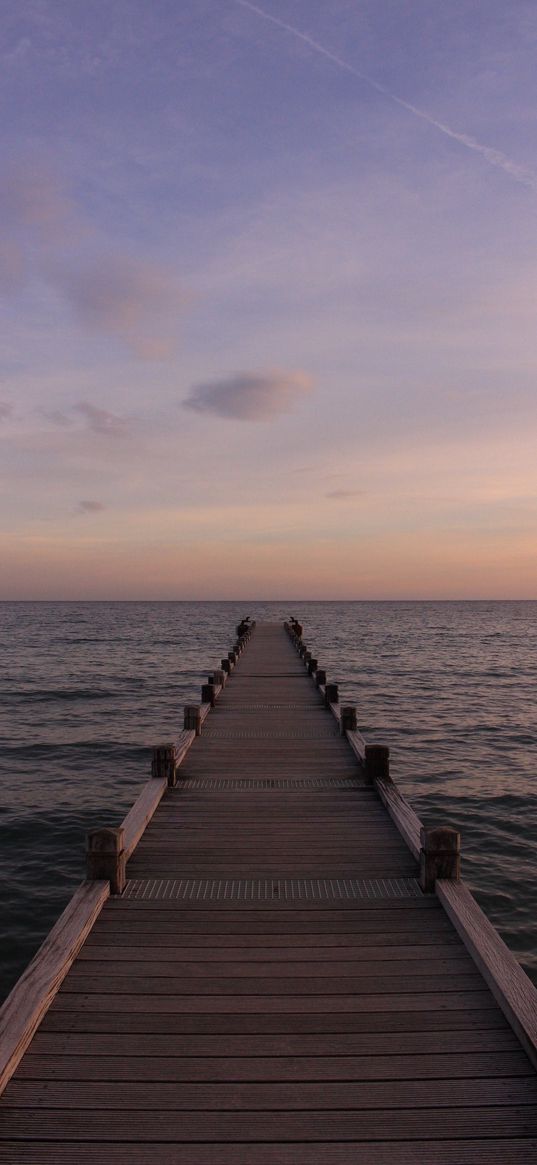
(486, 1017)
(249, 1069)
(473, 1151)
(510, 986)
(259, 986)
(32, 995)
(369, 1043)
(402, 813)
(429, 958)
(164, 1096)
(396, 1124)
(280, 1004)
(160, 963)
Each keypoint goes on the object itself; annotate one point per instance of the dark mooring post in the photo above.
(105, 857)
(320, 676)
(348, 721)
(377, 762)
(192, 718)
(208, 694)
(331, 694)
(163, 763)
(440, 856)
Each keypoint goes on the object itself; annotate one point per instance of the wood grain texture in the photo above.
(512, 989)
(25, 1007)
(422, 1151)
(402, 813)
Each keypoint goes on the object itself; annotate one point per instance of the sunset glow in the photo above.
(268, 300)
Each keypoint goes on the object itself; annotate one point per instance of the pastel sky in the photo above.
(269, 299)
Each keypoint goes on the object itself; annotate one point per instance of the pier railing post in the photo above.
(208, 694)
(377, 763)
(440, 856)
(331, 694)
(105, 857)
(320, 677)
(312, 665)
(192, 718)
(163, 764)
(348, 721)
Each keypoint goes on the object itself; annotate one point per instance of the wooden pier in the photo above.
(288, 970)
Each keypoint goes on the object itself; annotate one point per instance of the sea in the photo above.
(87, 689)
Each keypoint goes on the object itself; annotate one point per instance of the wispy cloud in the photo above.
(496, 158)
(56, 417)
(137, 302)
(88, 506)
(101, 421)
(250, 396)
(6, 410)
(32, 196)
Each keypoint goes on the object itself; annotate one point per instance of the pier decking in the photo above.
(273, 987)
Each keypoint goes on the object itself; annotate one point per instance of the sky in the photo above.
(268, 295)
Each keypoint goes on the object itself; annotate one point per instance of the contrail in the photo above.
(493, 157)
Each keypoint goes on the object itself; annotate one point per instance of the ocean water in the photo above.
(87, 690)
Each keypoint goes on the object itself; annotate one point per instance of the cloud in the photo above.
(56, 417)
(87, 506)
(100, 421)
(250, 396)
(340, 494)
(135, 301)
(6, 410)
(32, 197)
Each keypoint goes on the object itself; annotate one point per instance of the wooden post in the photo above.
(320, 677)
(105, 857)
(306, 657)
(163, 763)
(192, 718)
(348, 722)
(232, 656)
(208, 695)
(226, 666)
(331, 694)
(312, 666)
(377, 762)
(219, 677)
(440, 856)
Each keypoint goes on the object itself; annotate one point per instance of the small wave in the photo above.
(50, 695)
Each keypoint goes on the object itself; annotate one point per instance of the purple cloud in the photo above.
(137, 302)
(101, 421)
(6, 410)
(87, 506)
(250, 396)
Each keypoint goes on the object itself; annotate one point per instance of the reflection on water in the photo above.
(88, 688)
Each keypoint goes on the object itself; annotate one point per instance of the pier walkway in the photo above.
(272, 987)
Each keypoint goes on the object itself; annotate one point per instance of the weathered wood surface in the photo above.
(202, 1025)
(31, 997)
(144, 807)
(506, 979)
